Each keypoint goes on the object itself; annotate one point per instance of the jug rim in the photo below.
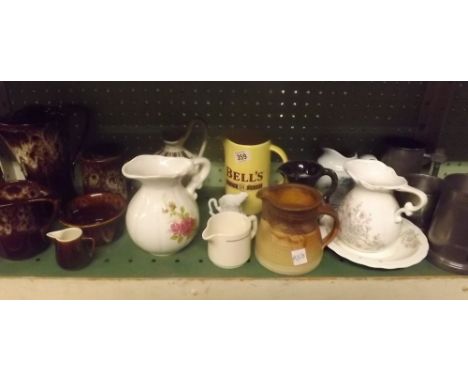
(155, 158)
(206, 235)
(393, 181)
(66, 235)
(248, 138)
(42, 192)
(317, 196)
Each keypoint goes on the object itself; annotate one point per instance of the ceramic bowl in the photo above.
(101, 216)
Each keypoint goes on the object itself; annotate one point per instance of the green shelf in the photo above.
(123, 259)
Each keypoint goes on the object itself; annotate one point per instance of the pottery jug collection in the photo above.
(363, 202)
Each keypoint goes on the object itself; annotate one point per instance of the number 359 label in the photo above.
(241, 156)
(299, 256)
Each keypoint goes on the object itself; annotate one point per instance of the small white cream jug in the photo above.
(227, 202)
(229, 235)
(370, 216)
(163, 217)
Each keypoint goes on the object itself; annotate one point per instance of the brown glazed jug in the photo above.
(45, 141)
(288, 238)
(27, 211)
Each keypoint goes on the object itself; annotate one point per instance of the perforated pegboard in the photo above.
(299, 116)
(454, 136)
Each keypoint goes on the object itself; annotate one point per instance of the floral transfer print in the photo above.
(358, 227)
(410, 239)
(184, 226)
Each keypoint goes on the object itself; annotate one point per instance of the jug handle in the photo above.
(278, 150)
(90, 241)
(409, 207)
(203, 165)
(213, 206)
(334, 183)
(325, 209)
(55, 208)
(202, 124)
(254, 221)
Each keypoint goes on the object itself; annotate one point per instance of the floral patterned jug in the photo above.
(369, 214)
(162, 216)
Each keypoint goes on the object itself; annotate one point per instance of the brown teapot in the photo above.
(38, 137)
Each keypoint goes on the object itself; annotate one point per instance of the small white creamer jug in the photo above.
(229, 235)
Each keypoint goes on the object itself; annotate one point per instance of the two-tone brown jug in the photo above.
(288, 239)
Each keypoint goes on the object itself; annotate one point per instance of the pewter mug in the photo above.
(405, 156)
(448, 236)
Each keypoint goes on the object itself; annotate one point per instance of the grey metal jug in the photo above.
(448, 236)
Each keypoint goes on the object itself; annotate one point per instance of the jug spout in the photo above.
(66, 235)
(209, 233)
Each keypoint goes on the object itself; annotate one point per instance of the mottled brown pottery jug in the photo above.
(39, 139)
(100, 168)
(27, 211)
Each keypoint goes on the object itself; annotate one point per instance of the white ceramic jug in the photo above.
(163, 216)
(370, 216)
(229, 235)
(227, 202)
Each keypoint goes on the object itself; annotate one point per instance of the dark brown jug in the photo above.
(27, 211)
(45, 141)
(308, 173)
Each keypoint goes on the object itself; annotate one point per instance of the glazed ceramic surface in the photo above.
(288, 240)
(37, 137)
(101, 216)
(247, 157)
(228, 202)
(27, 211)
(72, 249)
(369, 214)
(309, 173)
(431, 186)
(335, 161)
(10, 169)
(163, 216)
(410, 248)
(229, 235)
(101, 170)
